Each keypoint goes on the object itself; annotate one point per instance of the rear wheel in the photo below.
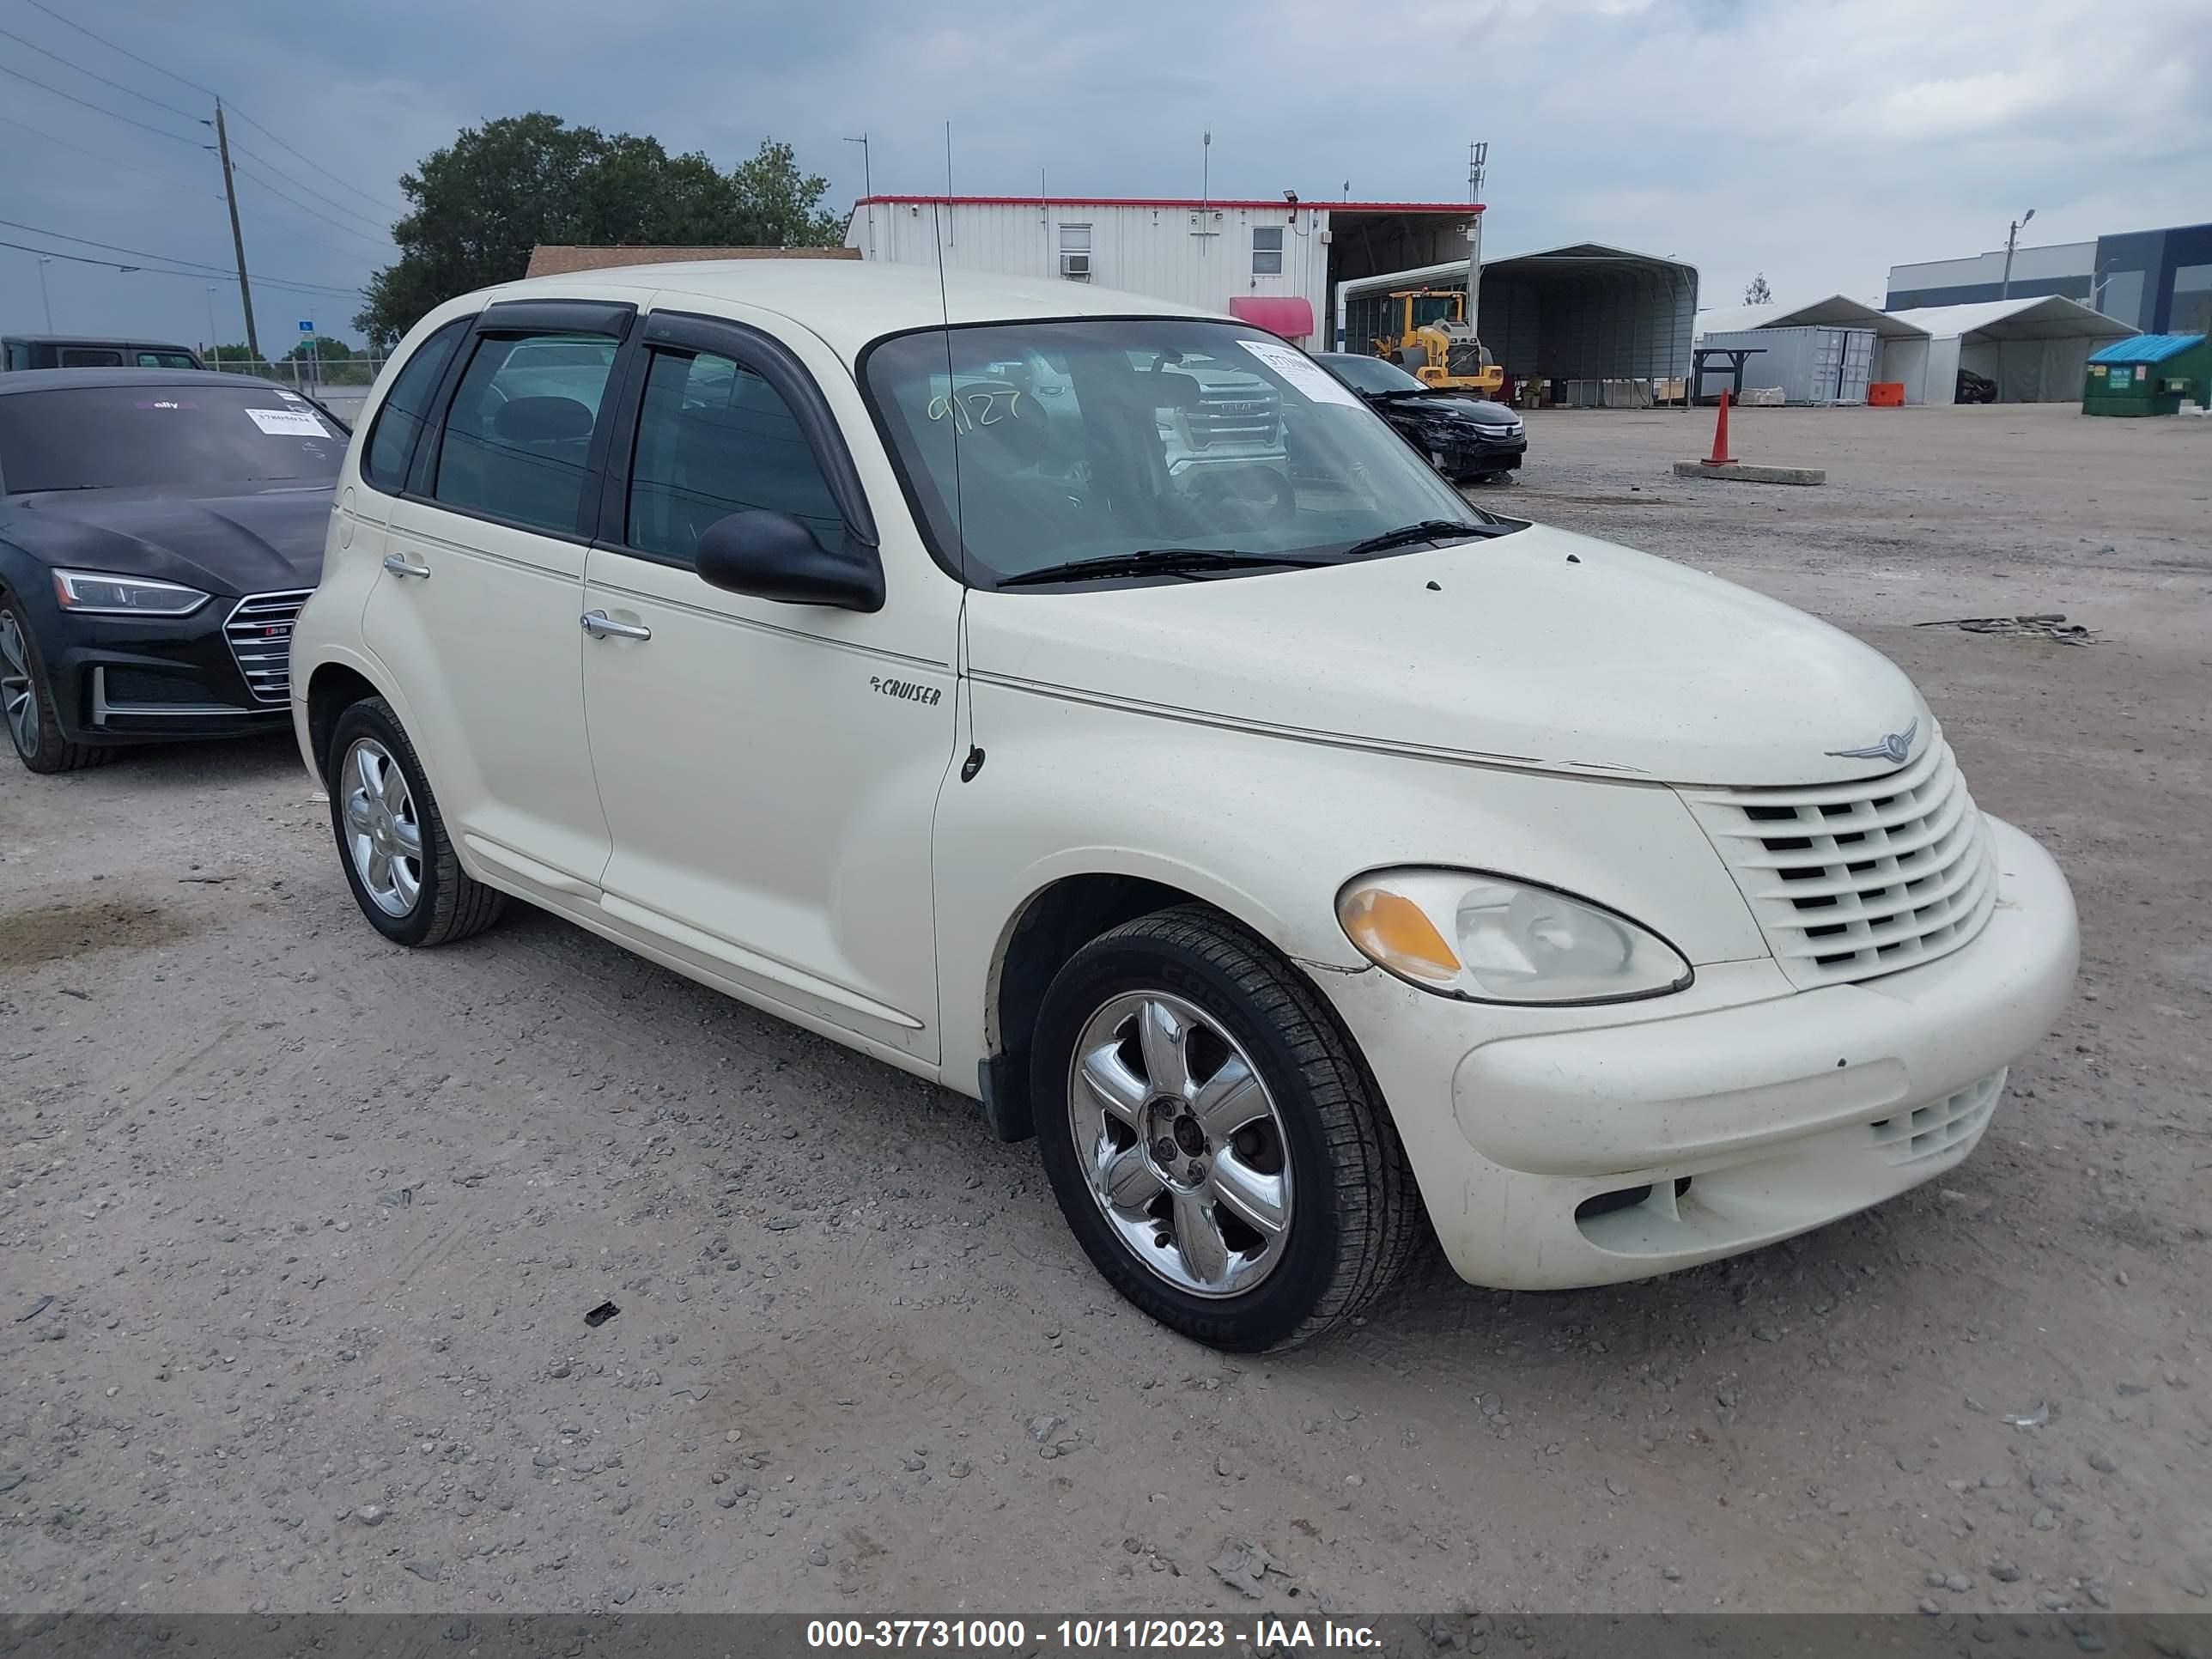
(27, 701)
(397, 858)
(1214, 1139)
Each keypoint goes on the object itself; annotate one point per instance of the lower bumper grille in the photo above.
(260, 635)
(153, 688)
(1940, 1125)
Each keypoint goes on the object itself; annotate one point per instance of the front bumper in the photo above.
(146, 679)
(1478, 458)
(1556, 1156)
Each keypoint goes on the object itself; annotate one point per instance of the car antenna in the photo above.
(939, 215)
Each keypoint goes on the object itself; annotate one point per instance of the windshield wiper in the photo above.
(1156, 561)
(1428, 530)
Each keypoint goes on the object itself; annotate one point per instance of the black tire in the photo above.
(449, 904)
(1356, 1216)
(50, 752)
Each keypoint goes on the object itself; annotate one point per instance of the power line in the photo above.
(103, 109)
(379, 201)
(168, 178)
(263, 161)
(91, 74)
(155, 271)
(379, 242)
(170, 258)
(160, 68)
(234, 110)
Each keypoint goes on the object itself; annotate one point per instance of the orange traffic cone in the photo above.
(1720, 457)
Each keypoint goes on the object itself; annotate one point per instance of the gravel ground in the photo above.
(299, 1231)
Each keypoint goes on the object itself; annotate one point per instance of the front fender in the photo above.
(1268, 828)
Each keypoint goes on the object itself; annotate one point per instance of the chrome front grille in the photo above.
(1236, 415)
(260, 635)
(1853, 880)
(1941, 1124)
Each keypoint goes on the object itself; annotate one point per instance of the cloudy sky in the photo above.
(1817, 141)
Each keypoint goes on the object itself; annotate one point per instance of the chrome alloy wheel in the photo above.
(19, 696)
(1180, 1144)
(383, 834)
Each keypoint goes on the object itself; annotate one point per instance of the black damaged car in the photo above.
(1465, 439)
(159, 532)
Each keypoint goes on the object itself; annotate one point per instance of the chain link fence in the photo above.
(304, 374)
(339, 384)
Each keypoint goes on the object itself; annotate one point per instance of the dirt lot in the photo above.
(320, 1220)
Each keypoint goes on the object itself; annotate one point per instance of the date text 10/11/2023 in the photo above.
(1258, 1635)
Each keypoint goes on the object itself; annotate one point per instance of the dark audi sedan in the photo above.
(1465, 439)
(159, 532)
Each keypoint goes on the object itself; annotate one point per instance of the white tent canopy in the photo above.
(1837, 311)
(2036, 350)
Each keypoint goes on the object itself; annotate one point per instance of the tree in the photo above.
(1757, 293)
(484, 202)
(322, 349)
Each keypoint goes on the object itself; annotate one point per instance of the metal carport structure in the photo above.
(1584, 311)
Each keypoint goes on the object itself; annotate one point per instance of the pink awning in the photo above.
(1279, 313)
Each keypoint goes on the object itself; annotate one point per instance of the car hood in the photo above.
(1442, 406)
(1541, 649)
(227, 538)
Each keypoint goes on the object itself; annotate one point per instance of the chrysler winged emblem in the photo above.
(1894, 748)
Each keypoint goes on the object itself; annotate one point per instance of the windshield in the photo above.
(101, 436)
(1030, 445)
(1371, 374)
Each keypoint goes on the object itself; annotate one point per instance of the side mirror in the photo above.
(771, 556)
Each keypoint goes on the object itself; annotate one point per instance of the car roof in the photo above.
(55, 380)
(140, 340)
(849, 303)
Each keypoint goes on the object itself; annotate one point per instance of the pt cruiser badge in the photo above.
(1896, 747)
(925, 694)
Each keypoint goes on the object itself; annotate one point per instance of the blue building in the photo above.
(2158, 281)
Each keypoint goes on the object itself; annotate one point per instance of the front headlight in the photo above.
(87, 592)
(1483, 939)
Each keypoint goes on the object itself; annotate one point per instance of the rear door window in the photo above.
(90, 357)
(517, 440)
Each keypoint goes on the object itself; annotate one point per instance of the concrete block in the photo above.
(1743, 473)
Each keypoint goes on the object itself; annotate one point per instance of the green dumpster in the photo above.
(2148, 374)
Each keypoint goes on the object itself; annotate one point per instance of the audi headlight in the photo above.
(89, 592)
(1485, 938)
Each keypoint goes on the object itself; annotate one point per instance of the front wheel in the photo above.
(1214, 1141)
(397, 858)
(27, 701)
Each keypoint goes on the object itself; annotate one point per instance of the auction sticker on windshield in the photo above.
(1319, 386)
(287, 423)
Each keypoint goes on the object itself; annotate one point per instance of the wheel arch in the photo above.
(334, 687)
(1058, 917)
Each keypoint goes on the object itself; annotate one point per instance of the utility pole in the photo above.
(237, 236)
(45, 299)
(2005, 290)
(1478, 159)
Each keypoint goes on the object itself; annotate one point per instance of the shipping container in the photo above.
(1810, 365)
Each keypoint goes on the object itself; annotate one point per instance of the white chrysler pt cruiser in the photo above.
(1089, 704)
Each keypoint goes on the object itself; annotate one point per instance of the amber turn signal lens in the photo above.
(1392, 931)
